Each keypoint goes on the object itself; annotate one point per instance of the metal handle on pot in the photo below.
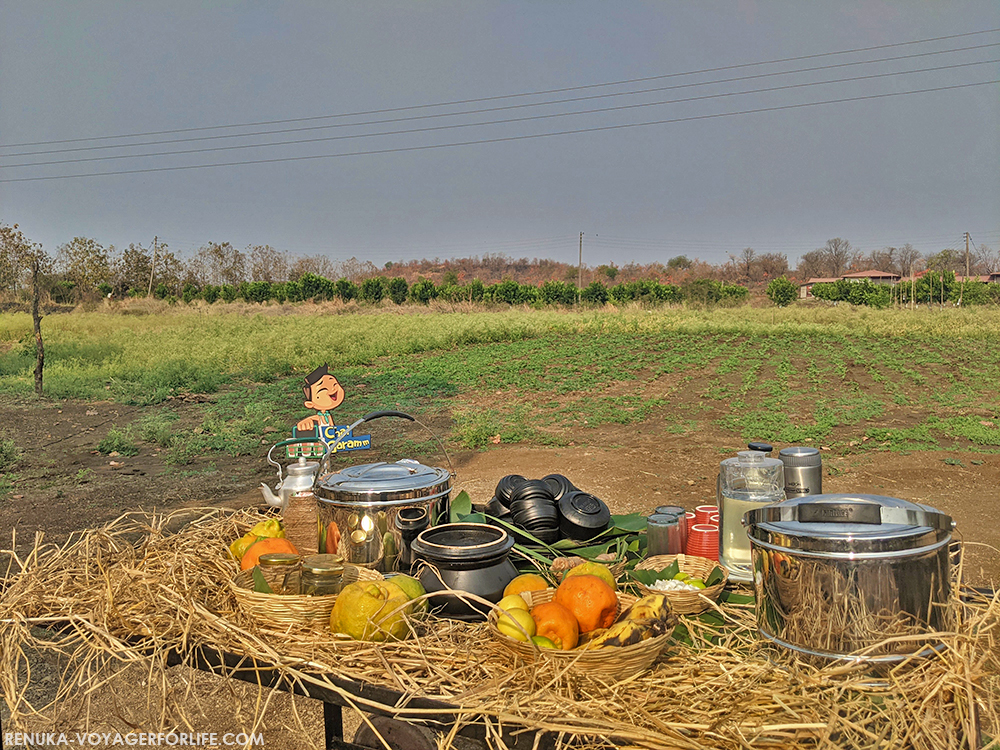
(864, 513)
(323, 465)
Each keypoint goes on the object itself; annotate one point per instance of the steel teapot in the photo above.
(299, 479)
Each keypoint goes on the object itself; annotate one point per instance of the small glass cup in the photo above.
(664, 535)
(322, 575)
(279, 569)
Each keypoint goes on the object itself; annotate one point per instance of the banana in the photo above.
(627, 633)
(650, 607)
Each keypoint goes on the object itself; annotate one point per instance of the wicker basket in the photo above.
(614, 663)
(280, 611)
(686, 602)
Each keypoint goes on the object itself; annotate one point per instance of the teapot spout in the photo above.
(275, 501)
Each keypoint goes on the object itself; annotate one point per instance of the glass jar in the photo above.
(278, 569)
(321, 575)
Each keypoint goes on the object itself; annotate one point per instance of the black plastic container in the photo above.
(583, 516)
(506, 486)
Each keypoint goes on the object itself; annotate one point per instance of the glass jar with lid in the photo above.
(321, 575)
(279, 569)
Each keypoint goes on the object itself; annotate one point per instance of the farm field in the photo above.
(150, 406)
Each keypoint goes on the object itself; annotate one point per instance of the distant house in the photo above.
(876, 277)
(805, 289)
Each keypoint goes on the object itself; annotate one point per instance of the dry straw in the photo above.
(165, 578)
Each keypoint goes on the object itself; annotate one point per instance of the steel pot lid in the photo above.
(848, 523)
(462, 543)
(383, 482)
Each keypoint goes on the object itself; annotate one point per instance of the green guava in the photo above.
(371, 611)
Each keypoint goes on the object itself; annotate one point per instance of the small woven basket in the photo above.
(614, 663)
(282, 610)
(686, 602)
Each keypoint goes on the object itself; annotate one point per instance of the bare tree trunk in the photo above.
(36, 318)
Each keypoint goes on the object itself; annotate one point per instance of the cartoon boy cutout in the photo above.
(323, 393)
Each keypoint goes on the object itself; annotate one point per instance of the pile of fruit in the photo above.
(266, 536)
(582, 613)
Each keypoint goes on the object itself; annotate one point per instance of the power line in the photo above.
(506, 139)
(507, 121)
(570, 100)
(504, 96)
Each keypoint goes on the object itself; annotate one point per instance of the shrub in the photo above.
(161, 291)
(595, 293)
(476, 290)
(374, 289)
(227, 292)
(316, 287)
(782, 292)
(504, 291)
(398, 289)
(345, 290)
(210, 293)
(557, 292)
(189, 292)
(257, 291)
(423, 291)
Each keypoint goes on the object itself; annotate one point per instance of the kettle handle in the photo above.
(847, 512)
(293, 441)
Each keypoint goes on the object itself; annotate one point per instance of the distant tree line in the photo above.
(933, 288)
(83, 268)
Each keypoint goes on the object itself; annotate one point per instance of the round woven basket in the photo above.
(614, 663)
(283, 610)
(686, 602)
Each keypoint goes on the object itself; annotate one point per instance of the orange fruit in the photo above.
(555, 622)
(590, 599)
(526, 582)
(263, 546)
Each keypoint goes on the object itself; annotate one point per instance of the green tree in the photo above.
(374, 289)
(86, 263)
(345, 290)
(782, 292)
(595, 293)
(423, 291)
(398, 289)
(679, 263)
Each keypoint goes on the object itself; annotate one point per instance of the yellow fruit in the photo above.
(696, 582)
(526, 582)
(238, 548)
(516, 624)
(542, 642)
(412, 588)
(650, 607)
(371, 611)
(513, 601)
(627, 633)
(271, 528)
(593, 569)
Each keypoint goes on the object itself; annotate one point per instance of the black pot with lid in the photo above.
(464, 557)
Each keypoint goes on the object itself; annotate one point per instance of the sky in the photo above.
(660, 153)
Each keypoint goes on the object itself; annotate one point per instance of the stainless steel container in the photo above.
(841, 576)
(803, 470)
(358, 509)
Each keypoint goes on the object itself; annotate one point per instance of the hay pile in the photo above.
(165, 578)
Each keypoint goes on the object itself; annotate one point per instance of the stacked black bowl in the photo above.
(533, 508)
(505, 487)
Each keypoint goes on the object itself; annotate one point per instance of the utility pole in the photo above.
(579, 268)
(152, 267)
(961, 293)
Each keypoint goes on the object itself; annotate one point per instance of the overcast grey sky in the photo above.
(886, 168)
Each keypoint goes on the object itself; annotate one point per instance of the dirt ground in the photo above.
(65, 484)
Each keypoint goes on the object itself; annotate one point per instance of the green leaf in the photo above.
(714, 577)
(260, 584)
(731, 597)
(649, 577)
(631, 522)
(460, 506)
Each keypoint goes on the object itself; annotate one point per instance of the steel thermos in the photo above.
(803, 471)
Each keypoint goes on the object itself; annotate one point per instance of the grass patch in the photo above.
(118, 441)
(10, 454)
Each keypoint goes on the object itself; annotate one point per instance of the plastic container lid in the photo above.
(583, 515)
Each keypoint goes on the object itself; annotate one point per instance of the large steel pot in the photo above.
(359, 507)
(841, 576)
(369, 514)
